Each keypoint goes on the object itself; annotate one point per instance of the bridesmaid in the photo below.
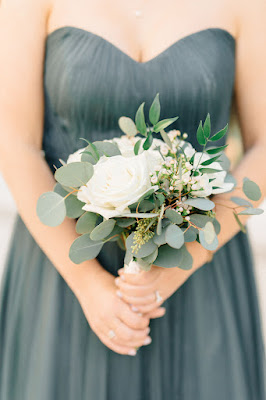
(141, 31)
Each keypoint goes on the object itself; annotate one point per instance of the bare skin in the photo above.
(26, 26)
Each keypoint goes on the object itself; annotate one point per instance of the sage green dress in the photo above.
(209, 344)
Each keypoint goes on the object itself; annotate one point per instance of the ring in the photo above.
(158, 296)
(111, 334)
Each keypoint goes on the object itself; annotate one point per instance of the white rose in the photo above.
(75, 157)
(116, 183)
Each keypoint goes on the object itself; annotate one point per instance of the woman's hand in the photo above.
(106, 312)
(139, 290)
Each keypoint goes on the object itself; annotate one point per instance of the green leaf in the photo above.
(209, 170)
(200, 220)
(207, 127)
(83, 248)
(210, 161)
(140, 120)
(166, 138)
(86, 223)
(140, 215)
(168, 257)
(220, 134)
(51, 209)
(241, 202)
(108, 149)
(152, 257)
(174, 236)
(148, 142)
(217, 226)
(137, 147)
(200, 135)
(87, 157)
(159, 239)
(209, 232)
(164, 123)
(209, 246)
(174, 216)
(216, 150)
(200, 203)
(146, 249)
(74, 174)
(102, 230)
(187, 260)
(243, 229)
(128, 126)
(115, 234)
(125, 222)
(72, 203)
(160, 198)
(190, 234)
(251, 211)
(146, 205)
(251, 189)
(154, 112)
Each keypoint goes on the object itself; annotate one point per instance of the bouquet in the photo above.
(150, 194)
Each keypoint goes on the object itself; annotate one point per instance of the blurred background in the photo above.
(256, 224)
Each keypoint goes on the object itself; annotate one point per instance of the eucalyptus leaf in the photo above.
(186, 260)
(152, 257)
(86, 223)
(140, 215)
(74, 174)
(73, 205)
(164, 123)
(168, 257)
(102, 230)
(251, 189)
(174, 216)
(220, 134)
(190, 234)
(241, 202)
(154, 112)
(145, 250)
(140, 120)
(209, 246)
(209, 170)
(251, 211)
(83, 248)
(51, 209)
(174, 236)
(109, 149)
(200, 220)
(115, 234)
(209, 233)
(200, 203)
(125, 222)
(146, 205)
(127, 125)
(87, 157)
(160, 239)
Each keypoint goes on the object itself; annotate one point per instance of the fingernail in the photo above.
(132, 352)
(148, 330)
(135, 309)
(117, 281)
(140, 314)
(119, 294)
(147, 341)
(122, 277)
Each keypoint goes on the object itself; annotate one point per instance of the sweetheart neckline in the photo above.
(162, 53)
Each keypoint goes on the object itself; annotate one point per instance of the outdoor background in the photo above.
(256, 224)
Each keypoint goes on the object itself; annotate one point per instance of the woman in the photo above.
(69, 70)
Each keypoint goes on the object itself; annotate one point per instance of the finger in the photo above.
(149, 299)
(130, 336)
(144, 309)
(130, 318)
(120, 349)
(134, 290)
(140, 278)
(158, 313)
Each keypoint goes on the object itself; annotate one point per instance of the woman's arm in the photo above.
(250, 91)
(22, 46)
